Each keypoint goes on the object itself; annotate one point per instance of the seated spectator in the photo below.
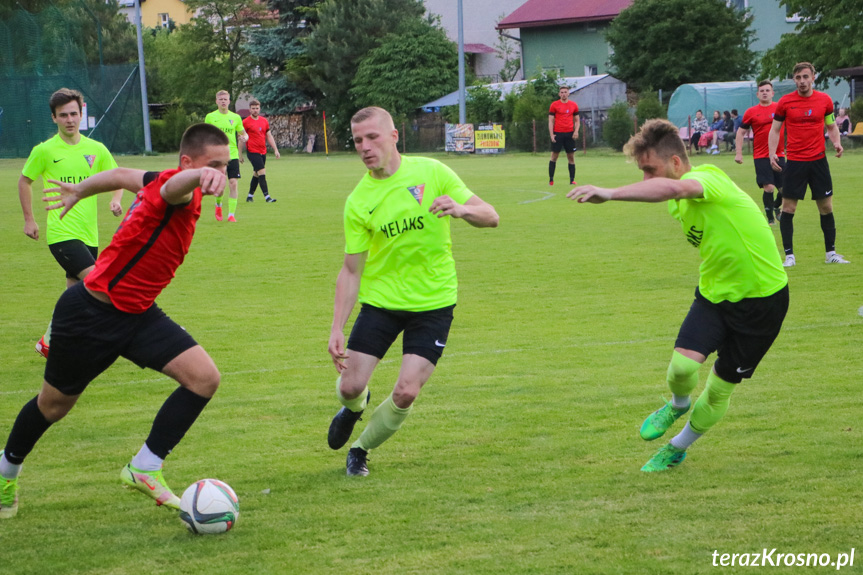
(722, 125)
(844, 122)
(730, 137)
(699, 128)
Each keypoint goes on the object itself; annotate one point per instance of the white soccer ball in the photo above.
(209, 506)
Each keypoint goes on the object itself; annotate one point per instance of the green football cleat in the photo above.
(658, 422)
(150, 483)
(666, 458)
(8, 496)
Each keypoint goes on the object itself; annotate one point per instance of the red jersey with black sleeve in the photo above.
(804, 122)
(146, 250)
(563, 113)
(257, 131)
(760, 119)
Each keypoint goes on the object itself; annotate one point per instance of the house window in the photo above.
(164, 20)
(591, 70)
(558, 70)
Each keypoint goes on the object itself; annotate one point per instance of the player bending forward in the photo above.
(113, 313)
(742, 294)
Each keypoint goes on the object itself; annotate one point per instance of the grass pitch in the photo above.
(522, 454)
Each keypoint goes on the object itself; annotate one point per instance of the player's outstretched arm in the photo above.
(652, 190)
(178, 189)
(25, 195)
(108, 181)
(475, 211)
(347, 288)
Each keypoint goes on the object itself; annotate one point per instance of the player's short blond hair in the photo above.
(372, 112)
(225, 92)
(658, 135)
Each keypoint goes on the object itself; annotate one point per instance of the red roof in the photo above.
(478, 49)
(536, 13)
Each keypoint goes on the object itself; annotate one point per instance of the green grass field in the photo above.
(521, 456)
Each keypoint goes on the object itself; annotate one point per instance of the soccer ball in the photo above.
(209, 506)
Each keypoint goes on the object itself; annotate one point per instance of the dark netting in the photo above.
(37, 57)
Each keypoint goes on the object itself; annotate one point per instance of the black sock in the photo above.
(786, 227)
(778, 203)
(174, 419)
(828, 226)
(551, 166)
(28, 428)
(571, 172)
(767, 200)
(253, 185)
(262, 179)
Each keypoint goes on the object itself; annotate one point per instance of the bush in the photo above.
(649, 108)
(618, 128)
(166, 133)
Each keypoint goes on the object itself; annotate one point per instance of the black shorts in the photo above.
(74, 256)
(233, 171)
(425, 332)
(741, 332)
(765, 175)
(815, 174)
(258, 161)
(563, 141)
(88, 335)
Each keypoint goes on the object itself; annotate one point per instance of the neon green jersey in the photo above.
(410, 265)
(739, 255)
(54, 159)
(231, 124)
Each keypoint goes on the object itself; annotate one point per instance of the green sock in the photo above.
(682, 376)
(712, 404)
(219, 203)
(356, 404)
(232, 205)
(385, 421)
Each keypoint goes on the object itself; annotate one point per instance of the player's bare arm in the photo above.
(116, 205)
(347, 289)
(475, 211)
(738, 144)
(772, 142)
(272, 141)
(651, 190)
(242, 138)
(108, 181)
(25, 195)
(835, 139)
(211, 180)
(551, 128)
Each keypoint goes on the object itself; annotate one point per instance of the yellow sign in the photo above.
(493, 139)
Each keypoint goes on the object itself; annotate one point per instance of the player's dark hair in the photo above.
(254, 102)
(658, 135)
(198, 137)
(802, 66)
(63, 96)
(765, 83)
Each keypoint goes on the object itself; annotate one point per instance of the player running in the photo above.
(113, 313)
(258, 130)
(398, 260)
(742, 294)
(563, 123)
(759, 118)
(232, 125)
(806, 113)
(67, 157)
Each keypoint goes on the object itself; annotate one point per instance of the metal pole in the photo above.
(461, 89)
(145, 106)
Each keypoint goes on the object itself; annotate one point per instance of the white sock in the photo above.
(9, 470)
(679, 401)
(685, 438)
(146, 460)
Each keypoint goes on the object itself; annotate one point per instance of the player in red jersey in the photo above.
(806, 113)
(113, 313)
(759, 118)
(258, 129)
(563, 125)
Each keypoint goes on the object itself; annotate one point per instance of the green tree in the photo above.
(618, 127)
(529, 109)
(407, 69)
(345, 33)
(830, 36)
(648, 107)
(660, 44)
